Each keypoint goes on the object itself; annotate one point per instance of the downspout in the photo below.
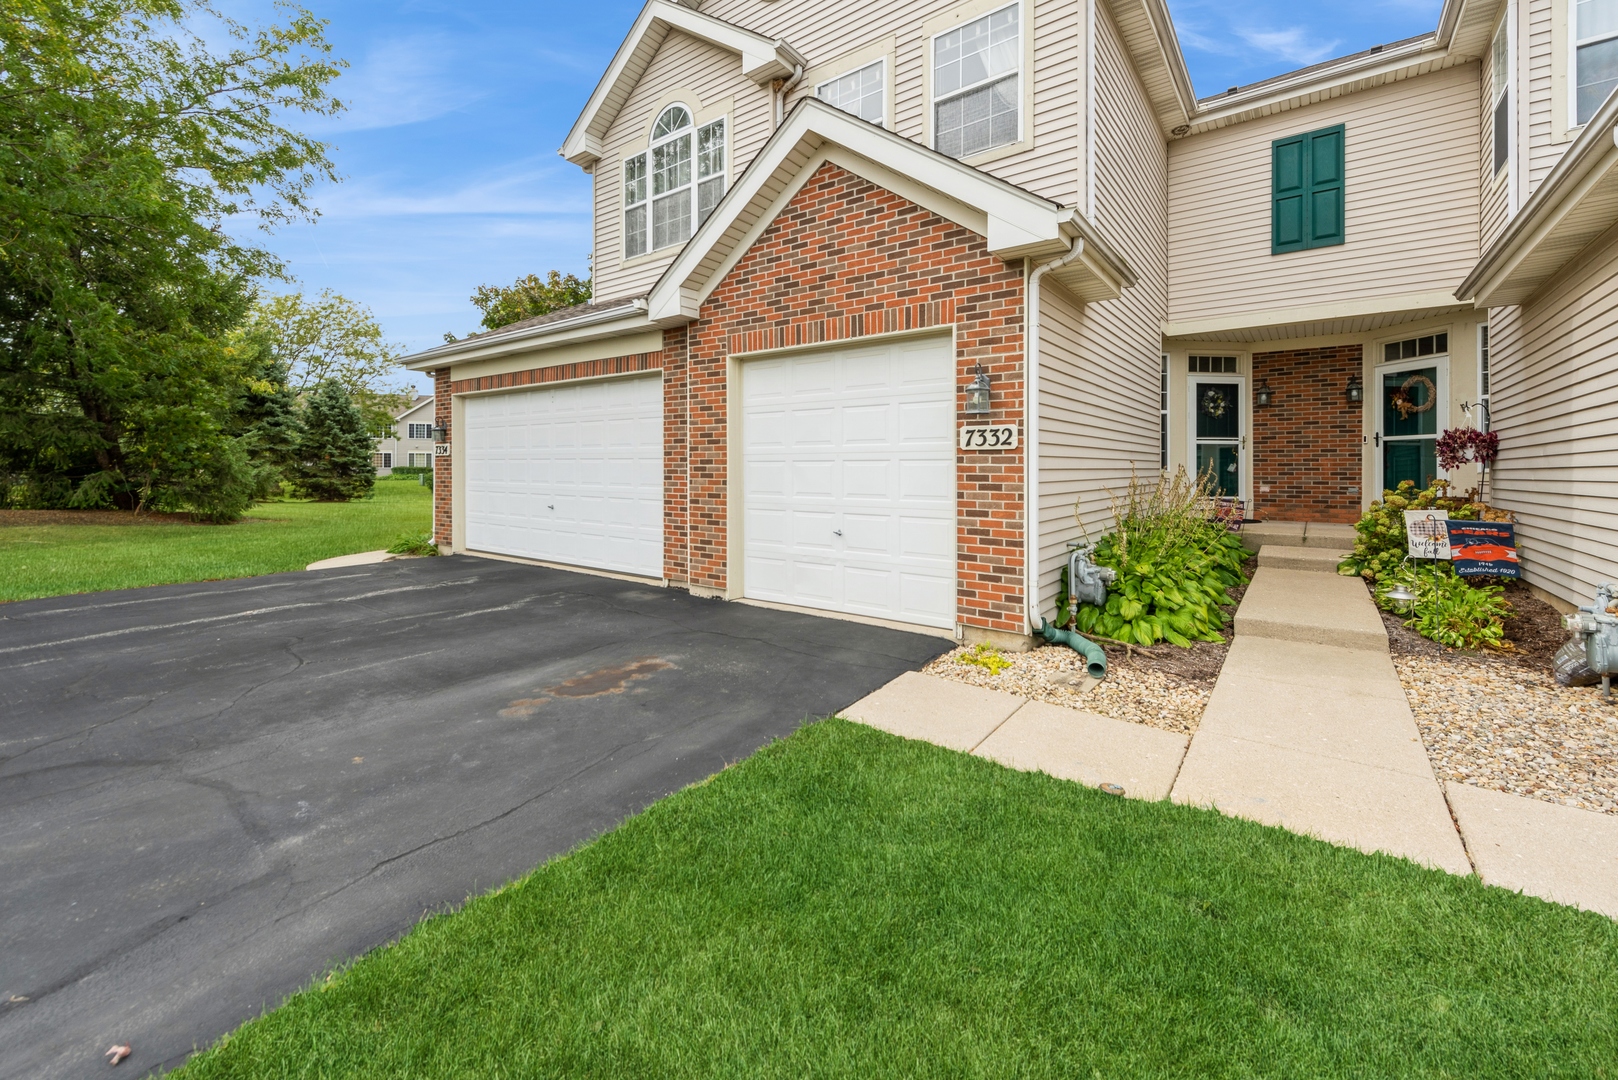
(1031, 436)
(785, 89)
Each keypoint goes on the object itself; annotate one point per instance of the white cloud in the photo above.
(524, 191)
(399, 81)
(1293, 44)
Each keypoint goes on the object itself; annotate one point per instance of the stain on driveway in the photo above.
(209, 794)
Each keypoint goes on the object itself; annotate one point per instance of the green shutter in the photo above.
(1306, 191)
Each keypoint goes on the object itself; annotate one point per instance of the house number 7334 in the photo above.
(989, 437)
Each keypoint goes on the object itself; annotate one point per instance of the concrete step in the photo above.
(1297, 534)
(1329, 535)
(1308, 606)
(1285, 557)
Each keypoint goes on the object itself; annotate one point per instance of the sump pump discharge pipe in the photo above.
(1095, 658)
(1031, 437)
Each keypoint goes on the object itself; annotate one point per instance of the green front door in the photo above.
(1219, 433)
(1409, 407)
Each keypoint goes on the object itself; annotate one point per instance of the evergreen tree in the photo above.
(334, 448)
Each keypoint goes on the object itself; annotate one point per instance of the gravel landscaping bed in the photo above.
(1133, 690)
(1502, 721)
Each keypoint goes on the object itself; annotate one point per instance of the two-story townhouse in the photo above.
(872, 281)
(410, 442)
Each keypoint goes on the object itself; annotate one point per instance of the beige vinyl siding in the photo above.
(1099, 362)
(1545, 144)
(1553, 366)
(711, 73)
(824, 31)
(1411, 207)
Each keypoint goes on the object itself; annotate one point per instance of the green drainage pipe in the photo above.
(1095, 658)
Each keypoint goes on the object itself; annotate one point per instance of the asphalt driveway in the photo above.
(209, 794)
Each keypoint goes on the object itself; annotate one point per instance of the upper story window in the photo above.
(1306, 191)
(976, 75)
(420, 431)
(858, 92)
(1500, 94)
(1595, 51)
(672, 186)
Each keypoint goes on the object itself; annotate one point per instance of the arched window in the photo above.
(665, 197)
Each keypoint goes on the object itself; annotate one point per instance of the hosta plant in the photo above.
(1448, 608)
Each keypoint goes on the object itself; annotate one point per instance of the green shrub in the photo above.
(1379, 547)
(1174, 563)
(413, 544)
(1449, 609)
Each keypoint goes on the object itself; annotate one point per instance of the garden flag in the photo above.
(1425, 533)
(1484, 548)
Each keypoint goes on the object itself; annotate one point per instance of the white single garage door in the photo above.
(849, 490)
(572, 474)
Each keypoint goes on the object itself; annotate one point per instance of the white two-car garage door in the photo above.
(572, 474)
(849, 491)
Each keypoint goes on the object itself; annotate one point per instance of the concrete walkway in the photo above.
(1307, 728)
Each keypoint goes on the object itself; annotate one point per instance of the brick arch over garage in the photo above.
(847, 259)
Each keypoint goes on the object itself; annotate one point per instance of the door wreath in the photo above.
(1402, 399)
(1215, 402)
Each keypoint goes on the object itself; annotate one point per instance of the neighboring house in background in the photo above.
(822, 228)
(411, 443)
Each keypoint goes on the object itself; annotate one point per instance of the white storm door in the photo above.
(849, 480)
(571, 474)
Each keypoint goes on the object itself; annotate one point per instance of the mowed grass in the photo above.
(848, 904)
(50, 560)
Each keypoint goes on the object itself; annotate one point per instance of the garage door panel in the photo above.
(569, 474)
(863, 447)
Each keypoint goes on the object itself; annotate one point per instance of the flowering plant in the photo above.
(1460, 445)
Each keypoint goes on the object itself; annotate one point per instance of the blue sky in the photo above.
(448, 151)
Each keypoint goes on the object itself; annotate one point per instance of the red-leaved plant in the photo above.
(1457, 446)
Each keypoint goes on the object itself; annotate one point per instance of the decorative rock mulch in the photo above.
(1133, 690)
(1497, 724)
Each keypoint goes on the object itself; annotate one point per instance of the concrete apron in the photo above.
(1308, 728)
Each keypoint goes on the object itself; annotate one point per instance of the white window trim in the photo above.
(701, 118)
(1570, 56)
(938, 26)
(1484, 420)
(887, 98)
(885, 50)
(1163, 416)
(1508, 91)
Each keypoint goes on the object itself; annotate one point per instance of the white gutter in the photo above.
(781, 94)
(501, 341)
(1031, 433)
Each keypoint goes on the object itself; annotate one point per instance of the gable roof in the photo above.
(763, 59)
(1462, 36)
(1016, 222)
(1575, 203)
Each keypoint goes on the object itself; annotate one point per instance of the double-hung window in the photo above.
(858, 92)
(1595, 55)
(977, 75)
(672, 186)
(420, 431)
(1500, 94)
(1306, 190)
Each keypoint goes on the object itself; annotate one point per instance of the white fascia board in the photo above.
(1016, 223)
(1430, 300)
(763, 59)
(1585, 164)
(593, 327)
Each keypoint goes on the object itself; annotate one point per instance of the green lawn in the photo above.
(849, 904)
(49, 560)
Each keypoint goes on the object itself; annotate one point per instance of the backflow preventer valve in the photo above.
(1597, 624)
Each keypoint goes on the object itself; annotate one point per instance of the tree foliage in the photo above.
(333, 339)
(127, 142)
(529, 297)
(334, 447)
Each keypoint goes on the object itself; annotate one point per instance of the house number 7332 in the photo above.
(989, 437)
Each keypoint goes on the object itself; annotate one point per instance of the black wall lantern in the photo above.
(977, 392)
(440, 433)
(1262, 395)
(1356, 390)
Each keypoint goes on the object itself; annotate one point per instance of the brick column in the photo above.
(443, 489)
(676, 542)
(1307, 441)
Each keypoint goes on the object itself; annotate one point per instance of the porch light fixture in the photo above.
(1262, 396)
(1356, 390)
(977, 392)
(440, 433)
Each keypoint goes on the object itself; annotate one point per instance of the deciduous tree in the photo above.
(528, 297)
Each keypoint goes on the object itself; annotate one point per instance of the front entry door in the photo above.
(1216, 433)
(1410, 403)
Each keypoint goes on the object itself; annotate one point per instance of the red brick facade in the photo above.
(844, 260)
(1307, 442)
(443, 513)
(848, 259)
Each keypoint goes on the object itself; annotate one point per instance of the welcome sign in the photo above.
(1425, 533)
(1484, 548)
